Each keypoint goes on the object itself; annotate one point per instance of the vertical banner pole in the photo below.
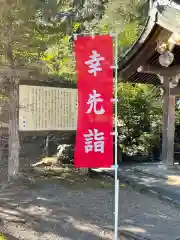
(116, 142)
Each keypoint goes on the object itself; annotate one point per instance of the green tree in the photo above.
(140, 113)
(126, 18)
(59, 57)
(27, 28)
(140, 108)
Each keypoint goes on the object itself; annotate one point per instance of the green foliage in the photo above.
(62, 61)
(140, 113)
(59, 59)
(140, 108)
(122, 17)
(178, 112)
(28, 28)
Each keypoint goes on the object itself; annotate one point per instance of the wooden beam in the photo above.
(61, 83)
(175, 91)
(163, 71)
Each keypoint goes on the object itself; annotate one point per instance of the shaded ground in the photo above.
(153, 179)
(65, 207)
(59, 208)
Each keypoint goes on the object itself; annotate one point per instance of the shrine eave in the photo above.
(161, 23)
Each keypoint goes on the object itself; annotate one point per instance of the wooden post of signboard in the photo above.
(47, 146)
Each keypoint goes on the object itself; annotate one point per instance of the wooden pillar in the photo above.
(167, 75)
(168, 124)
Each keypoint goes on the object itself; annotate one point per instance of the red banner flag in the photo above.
(94, 140)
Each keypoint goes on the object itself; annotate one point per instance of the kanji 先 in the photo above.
(95, 98)
(94, 141)
(94, 63)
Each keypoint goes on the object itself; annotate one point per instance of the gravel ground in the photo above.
(48, 210)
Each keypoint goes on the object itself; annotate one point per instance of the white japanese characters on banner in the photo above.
(93, 100)
(94, 63)
(94, 141)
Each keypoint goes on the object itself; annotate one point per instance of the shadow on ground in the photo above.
(47, 209)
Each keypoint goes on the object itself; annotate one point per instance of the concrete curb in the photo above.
(129, 234)
(150, 174)
(141, 188)
(170, 200)
(132, 235)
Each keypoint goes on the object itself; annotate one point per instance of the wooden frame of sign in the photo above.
(47, 108)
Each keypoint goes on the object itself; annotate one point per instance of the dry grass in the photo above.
(67, 175)
(72, 178)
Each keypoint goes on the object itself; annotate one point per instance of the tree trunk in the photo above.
(13, 144)
(1, 147)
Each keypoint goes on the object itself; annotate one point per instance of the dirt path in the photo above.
(47, 209)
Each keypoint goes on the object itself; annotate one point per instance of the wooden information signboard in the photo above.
(44, 108)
